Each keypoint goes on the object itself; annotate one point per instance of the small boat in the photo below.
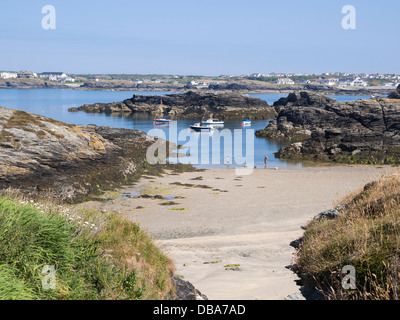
(198, 127)
(246, 122)
(213, 121)
(162, 120)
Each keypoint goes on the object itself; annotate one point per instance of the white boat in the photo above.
(198, 127)
(246, 122)
(212, 121)
(162, 120)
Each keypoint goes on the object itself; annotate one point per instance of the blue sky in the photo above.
(207, 37)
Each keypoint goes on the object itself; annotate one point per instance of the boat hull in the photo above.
(161, 121)
(200, 128)
(210, 122)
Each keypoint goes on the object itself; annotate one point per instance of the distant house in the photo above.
(329, 82)
(284, 81)
(359, 83)
(101, 78)
(53, 76)
(8, 75)
(26, 75)
(66, 79)
(391, 84)
(344, 82)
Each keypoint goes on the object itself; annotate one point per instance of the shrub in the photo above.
(366, 235)
(91, 253)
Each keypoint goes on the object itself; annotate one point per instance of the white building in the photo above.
(67, 79)
(8, 75)
(329, 82)
(284, 81)
(53, 76)
(26, 74)
(391, 84)
(359, 83)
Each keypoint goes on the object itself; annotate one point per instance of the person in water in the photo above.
(265, 160)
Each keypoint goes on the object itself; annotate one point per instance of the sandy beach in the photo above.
(230, 235)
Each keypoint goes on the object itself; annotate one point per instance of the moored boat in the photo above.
(162, 120)
(198, 127)
(213, 122)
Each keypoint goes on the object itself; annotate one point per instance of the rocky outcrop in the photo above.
(125, 85)
(249, 86)
(39, 155)
(190, 105)
(184, 290)
(362, 131)
(294, 123)
(21, 84)
(395, 94)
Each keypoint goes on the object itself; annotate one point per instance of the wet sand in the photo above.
(230, 235)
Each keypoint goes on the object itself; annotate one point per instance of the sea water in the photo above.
(54, 103)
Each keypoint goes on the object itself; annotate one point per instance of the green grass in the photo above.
(168, 203)
(214, 261)
(365, 236)
(95, 256)
(232, 265)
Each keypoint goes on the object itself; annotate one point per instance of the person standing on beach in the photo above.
(265, 160)
(227, 161)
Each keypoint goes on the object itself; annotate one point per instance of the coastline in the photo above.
(239, 248)
(288, 89)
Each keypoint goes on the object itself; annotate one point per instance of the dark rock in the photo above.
(331, 213)
(248, 86)
(6, 145)
(126, 85)
(296, 243)
(184, 290)
(21, 84)
(295, 296)
(189, 105)
(395, 94)
(362, 131)
(66, 161)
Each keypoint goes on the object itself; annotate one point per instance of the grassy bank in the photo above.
(366, 235)
(95, 256)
